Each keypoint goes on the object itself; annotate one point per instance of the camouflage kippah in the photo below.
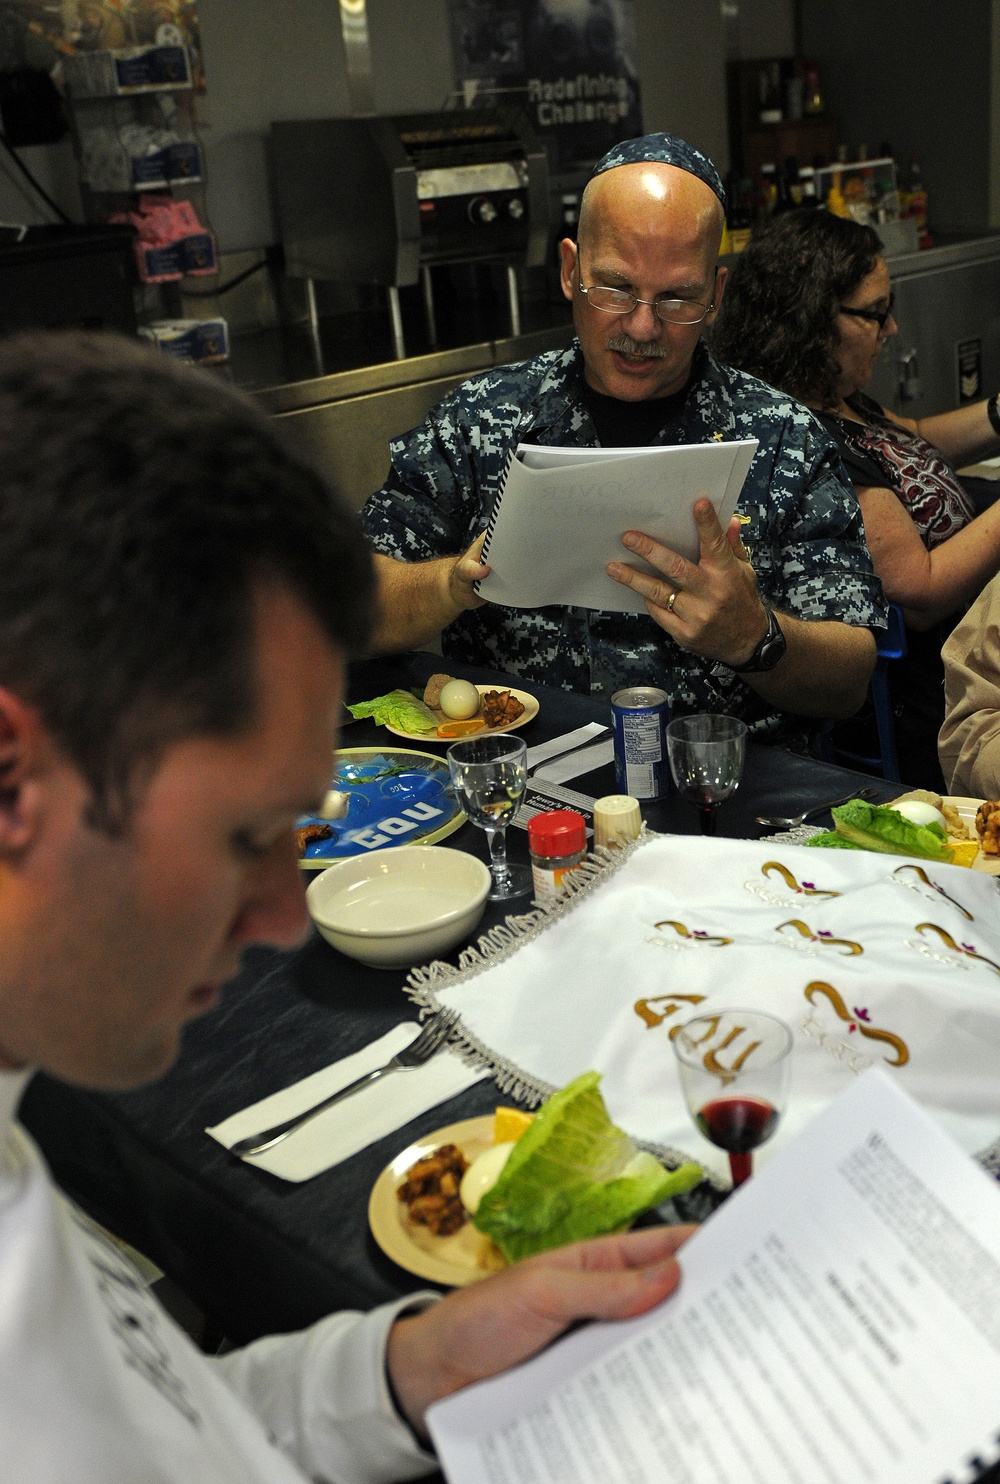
(663, 149)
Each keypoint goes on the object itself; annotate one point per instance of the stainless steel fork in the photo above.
(429, 1042)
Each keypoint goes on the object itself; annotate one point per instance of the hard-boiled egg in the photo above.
(917, 812)
(459, 699)
(335, 806)
(482, 1175)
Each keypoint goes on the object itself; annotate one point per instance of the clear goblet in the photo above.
(489, 775)
(734, 1069)
(706, 759)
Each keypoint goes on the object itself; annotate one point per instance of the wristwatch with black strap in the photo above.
(769, 651)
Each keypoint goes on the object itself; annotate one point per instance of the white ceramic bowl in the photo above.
(400, 907)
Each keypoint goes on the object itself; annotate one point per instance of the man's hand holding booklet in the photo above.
(837, 1320)
(562, 512)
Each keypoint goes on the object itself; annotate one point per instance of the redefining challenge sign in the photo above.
(572, 61)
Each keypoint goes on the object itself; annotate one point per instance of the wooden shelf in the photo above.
(752, 143)
(804, 138)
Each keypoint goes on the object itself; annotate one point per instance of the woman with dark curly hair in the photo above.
(808, 308)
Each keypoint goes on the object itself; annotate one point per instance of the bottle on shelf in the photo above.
(836, 205)
(784, 199)
(769, 93)
(768, 192)
(794, 95)
(870, 188)
(812, 93)
(856, 198)
(889, 204)
(739, 218)
(807, 186)
(914, 202)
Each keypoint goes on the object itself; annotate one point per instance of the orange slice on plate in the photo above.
(509, 1124)
(461, 728)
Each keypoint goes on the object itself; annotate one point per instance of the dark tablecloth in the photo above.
(258, 1254)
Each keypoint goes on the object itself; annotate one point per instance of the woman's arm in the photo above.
(963, 435)
(928, 585)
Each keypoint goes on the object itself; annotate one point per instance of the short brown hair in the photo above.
(142, 502)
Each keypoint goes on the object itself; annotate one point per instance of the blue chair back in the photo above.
(891, 646)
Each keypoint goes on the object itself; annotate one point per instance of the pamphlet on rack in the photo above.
(838, 1319)
(562, 512)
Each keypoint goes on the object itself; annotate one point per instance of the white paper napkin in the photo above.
(556, 745)
(560, 770)
(361, 1119)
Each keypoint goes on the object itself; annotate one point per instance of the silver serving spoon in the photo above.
(774, 822)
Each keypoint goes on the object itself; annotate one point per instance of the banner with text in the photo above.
(571, 64)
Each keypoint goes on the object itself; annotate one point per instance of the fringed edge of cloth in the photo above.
(424, 983)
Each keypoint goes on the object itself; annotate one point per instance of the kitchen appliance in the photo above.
(382, 200)
(62, 276)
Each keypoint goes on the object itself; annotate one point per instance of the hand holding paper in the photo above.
(467, 570)
(715, 611)
(480, 1331)
(563, 511)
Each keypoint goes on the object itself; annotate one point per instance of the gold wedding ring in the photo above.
(671, 601)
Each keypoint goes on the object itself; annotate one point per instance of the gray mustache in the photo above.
(627, 346)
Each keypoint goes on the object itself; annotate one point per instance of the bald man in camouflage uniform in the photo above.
(790, 633)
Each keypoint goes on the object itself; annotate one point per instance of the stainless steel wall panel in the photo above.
(936, 311)
(349, 440)
(343, 423)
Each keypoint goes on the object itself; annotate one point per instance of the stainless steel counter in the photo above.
(344, 421)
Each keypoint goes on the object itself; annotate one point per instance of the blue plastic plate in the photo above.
(397, 797)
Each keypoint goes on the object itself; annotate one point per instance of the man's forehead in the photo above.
(650, 236)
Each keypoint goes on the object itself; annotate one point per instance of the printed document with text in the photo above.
(563, 511)
(838, 1321)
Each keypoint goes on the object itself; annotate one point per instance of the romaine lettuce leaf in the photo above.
(876, 827)
(573, 1174)
(830, 840)
(398, 709)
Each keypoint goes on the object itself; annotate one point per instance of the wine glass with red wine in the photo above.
(706, 759)
(734, 1068)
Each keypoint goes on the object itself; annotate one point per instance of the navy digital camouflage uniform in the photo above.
(804, 530)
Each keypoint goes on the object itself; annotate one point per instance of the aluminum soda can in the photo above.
(640, 716)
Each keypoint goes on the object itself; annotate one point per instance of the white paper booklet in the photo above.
(562, 512)
(838, 1321)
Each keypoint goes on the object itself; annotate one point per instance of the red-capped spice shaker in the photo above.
(557, 840)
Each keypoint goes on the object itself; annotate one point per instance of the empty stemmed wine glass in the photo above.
(734, 1069)
(490, 775)
(706, 760)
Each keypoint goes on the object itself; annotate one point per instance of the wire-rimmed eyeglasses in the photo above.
(671, 311)
(875, 316)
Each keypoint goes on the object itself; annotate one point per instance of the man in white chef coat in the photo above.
(178, 596)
